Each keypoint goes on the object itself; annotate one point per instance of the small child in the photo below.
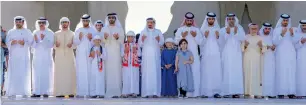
(130, 51)
(169, 86)
(183, 61)
(97, 73)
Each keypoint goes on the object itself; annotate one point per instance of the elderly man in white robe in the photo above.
(18, 40)
(84, 33)
(301, 60)
(232, 35)
(284, 39)
(268, 61)
(252, 54)
(42, 72)
(192, 34)
(150, 40)
(211, 71)
(113, 38)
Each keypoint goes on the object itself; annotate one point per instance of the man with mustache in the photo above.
(18, 41)
(84, 33)
(192, 34)
(113, 39)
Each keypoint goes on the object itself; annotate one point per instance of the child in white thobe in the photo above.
(130, 52)
(97, 73)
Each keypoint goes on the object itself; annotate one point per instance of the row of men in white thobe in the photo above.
(223, 69)
(218, 71)
(20, 40)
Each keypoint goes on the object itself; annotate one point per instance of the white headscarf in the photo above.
(131, 33)
(97, 37)
(169, 40)
(205, 23)
(41, 19)
(266, 25)
(98, 22)
(236, 20)
(117, 22)
(63, 19)
(84, 17)
(282, 17)
(301, 22)
(249, 26)
(150, 18)
(20, 18)
(189, 15)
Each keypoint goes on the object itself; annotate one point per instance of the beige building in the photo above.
(249, 11)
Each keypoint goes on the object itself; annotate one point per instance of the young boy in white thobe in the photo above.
(130, 52)
(97, 76)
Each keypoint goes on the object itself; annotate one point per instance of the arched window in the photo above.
(245, 19)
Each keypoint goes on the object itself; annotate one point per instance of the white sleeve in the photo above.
(277, 38)
(199, 37)
(104, 54)
(178, 36)
(48, 41)
(140, 42)
(161, 36)
(76, 40)
(240, 35)
(122, 49)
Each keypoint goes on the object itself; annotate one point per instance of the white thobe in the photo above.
(82, 61)
(64, 64)
(268, 68)
(42, 65)
(113, 66)
(252, 65)
(193, 43)
(285, 62)
(97, 78)
(19, 69)
(211, 71)
(231, 57)
(301, 66)
(150, 65)
(130, 74)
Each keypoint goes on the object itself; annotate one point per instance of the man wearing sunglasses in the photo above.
(84, 33)
(42, 59)
(18, 41)
(113, 38)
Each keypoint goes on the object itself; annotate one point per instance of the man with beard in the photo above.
(64, 72)
(211, 72)
(82, 39)
(18, 41)
(283, 38)
(192, 34)
(252, 53)
(231, 36)
(301, 60)
(268, 61)
(150, 40)
(42, 59)
(113, 39)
